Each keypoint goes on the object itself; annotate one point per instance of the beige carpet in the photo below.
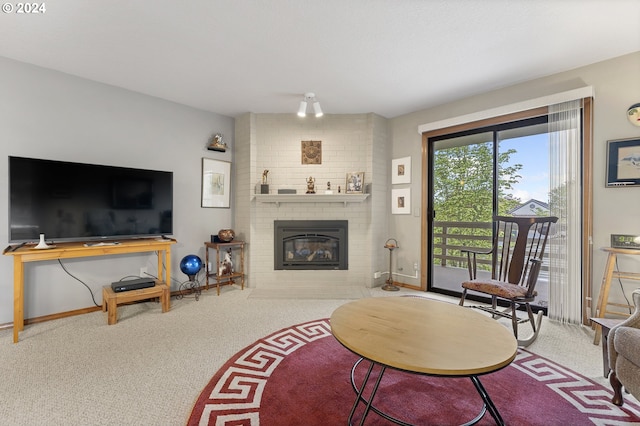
(150, 367)
(342, 292)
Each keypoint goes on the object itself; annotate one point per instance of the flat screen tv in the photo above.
(76, 202)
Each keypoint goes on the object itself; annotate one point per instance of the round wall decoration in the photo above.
(633, 114)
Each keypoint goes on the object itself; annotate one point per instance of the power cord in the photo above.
(82, 282)
(185, 288)
(191, 287)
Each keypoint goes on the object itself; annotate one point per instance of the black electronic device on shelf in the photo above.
(128, 285)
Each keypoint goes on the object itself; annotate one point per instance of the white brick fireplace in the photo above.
(350, 143)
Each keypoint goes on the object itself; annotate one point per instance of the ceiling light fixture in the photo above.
(310, 97)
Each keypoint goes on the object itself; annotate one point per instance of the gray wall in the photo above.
(615, 209)
(47, 114)
(52, 115)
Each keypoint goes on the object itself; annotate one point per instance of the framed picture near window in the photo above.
(401, 170)
(401, 201)
(623, 162)
(355, 183)
(216, 183)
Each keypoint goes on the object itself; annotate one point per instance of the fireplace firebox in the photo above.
(310, 244)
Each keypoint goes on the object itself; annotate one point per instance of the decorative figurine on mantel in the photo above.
(311, 185)
(328, 190)
(217, 144)
(264, 186)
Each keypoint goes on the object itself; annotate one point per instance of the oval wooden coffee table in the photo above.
(422, 336)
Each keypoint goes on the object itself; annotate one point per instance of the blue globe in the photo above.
(190, 265)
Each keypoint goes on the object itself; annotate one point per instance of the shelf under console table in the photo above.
(29, 253)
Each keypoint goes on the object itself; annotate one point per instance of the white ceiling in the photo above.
(389, 57)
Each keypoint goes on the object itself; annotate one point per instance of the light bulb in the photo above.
(302, 111)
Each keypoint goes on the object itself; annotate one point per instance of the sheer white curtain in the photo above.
(565, 288)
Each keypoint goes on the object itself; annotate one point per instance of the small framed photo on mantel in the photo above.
(355, 183)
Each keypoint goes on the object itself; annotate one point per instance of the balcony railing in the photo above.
(450, 238)
(450, 264)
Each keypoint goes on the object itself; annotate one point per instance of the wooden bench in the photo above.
(111, 299)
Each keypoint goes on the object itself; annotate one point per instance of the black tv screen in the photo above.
(74, 202)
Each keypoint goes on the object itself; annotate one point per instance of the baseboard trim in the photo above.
(67, 314)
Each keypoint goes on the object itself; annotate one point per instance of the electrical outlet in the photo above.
(377, 274)
(209, 267)
(415, 266)
(143, 272)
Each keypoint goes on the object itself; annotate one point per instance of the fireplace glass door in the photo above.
(310, 244)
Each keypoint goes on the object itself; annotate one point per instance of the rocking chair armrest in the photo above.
(472, 265)
(536, 263)
(476, 251)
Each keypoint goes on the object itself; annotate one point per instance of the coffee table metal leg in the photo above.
(373, 393)
(359, 396)
(488, 404)
(493, 410)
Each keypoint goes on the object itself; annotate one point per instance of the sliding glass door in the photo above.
(473, 175)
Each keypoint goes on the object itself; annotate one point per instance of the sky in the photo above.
(533, 154)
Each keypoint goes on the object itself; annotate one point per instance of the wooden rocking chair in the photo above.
(517, 251)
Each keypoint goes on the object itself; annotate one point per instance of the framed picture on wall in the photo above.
(401, 170)
(623, 162)
(216, 183)
(311, 152)
(401, 201)
(355, 183)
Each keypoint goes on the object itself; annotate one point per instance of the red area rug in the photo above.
(301, 376)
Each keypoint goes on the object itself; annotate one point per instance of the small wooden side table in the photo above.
(606, 324)
(238, 269)
(111, 299)
(610, 273)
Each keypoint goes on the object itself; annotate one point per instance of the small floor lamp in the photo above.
(391, 245)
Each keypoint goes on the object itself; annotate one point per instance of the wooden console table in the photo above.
(71, 250)
(609, 273)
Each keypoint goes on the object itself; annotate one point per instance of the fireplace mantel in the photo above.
(311, 198)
